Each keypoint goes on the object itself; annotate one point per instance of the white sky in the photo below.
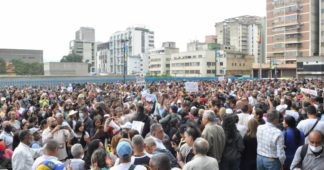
(50, 25)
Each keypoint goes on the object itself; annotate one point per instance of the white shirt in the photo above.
(306, 125)
(244, 118)
(159, 143)
(242, 129)
(7, 138)
(42, 159)
(23, 157)
(125, 166)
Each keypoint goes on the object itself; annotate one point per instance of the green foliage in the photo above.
(72, 58)
(2, 66)
(22, 68)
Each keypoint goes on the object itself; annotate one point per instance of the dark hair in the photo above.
(93, 145)
(193, 132)
(245, 108)
(291, 122)
(311, 110)
(78, 124)
(22, 134)
(229, 126)
(99, 157)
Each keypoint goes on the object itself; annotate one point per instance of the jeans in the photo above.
(265, 163)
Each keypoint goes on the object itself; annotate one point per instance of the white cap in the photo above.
(127, 125)
(72, 112)
(3, 98)
(281, 108)
(229, 111)
(107, 115)
(33, 130)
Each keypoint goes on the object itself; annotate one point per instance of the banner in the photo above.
(191, 86)
(309, 91)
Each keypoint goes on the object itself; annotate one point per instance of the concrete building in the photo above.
(103, 58)
(310, 67)
(197, 61)
(292, 30)
(159, 59)
(244, 34)
(24, 55)
(321, 25)
(131, 43)
(65, 69)
(233, 63)
(85, 46)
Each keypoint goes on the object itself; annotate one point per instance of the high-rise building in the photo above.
(159, 59)
(243, 34)
(321, 14)
(292, 30)
(103, 58)
(129, 48)
(85, 46)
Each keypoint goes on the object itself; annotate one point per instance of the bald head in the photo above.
(315, 138)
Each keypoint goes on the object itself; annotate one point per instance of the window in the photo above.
(221, 63)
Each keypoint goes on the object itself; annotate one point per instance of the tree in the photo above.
(2, 66)
(72, 58)
(22, 68)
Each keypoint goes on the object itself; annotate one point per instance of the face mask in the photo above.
(8, 128)
(316, 149)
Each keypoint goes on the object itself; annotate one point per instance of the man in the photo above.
(201, 160)
(87, 121)
(270, 150)
(152, 149)
(77, 152)
(245, 116)
(140, 157)
(160, 162)
(314, 155)
(36, 143)
(214, 134)
(23, 156)
(57, 131)
(50, 155)
(312, 123)
(6, 135)
(124, 152)
(157, 134)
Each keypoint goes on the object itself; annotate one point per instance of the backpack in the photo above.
(132, 167)
(302, 155)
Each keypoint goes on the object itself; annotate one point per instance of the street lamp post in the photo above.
(124, 65)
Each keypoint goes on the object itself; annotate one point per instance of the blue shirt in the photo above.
(290, 144)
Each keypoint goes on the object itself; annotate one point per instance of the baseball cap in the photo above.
(50, 165)
(174, 108)
(124, 149)
(33, 130)
(72, 112)
(229, 111)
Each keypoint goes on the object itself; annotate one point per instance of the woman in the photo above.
(93, 145)
(98, 160)
(80, 135)
(98, 131)
(186, 153)
(293, 139)
(234, 144)
(13, 122)
(250, 144)
(141, 116)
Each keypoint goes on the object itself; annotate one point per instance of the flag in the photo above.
(259, 37)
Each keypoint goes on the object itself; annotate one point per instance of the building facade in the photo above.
(130, 44)
(310, 67)
(65, 69)
(159, 59)
(292, 30)
(244, 34)
(103, 56)
(84, 45)
(233, 63)
(24, 55)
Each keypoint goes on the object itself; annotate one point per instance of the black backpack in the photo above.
(302, 155)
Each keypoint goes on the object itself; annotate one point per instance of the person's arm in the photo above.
(296, 159)
(165, 119)
(280, 149)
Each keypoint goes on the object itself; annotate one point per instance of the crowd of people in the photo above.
(226, 125)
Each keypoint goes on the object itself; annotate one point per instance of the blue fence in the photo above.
(52, 82)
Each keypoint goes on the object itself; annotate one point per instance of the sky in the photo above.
(51, 25)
